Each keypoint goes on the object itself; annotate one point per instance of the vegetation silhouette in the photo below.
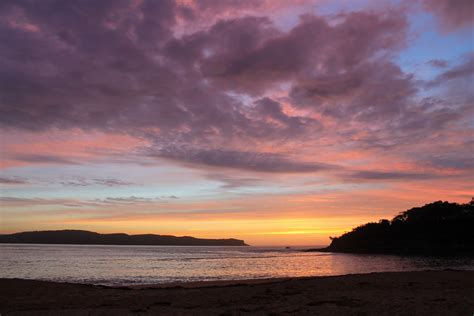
(438, 228)
(92, 238)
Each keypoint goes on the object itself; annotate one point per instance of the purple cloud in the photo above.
(390, 175)
(255, 161)
(81, 182)
(12, 180)
(209, 95)
(42, 159)
(452, 14)
(438, 63)
(460, 71)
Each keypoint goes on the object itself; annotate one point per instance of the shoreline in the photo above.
(242, 282)
(445, 254)
(219, 283)
(204, 284)
(378, 293)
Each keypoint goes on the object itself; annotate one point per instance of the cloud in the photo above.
(451, 14)
(454, 88)
(82, 182)
(60, 84)
(233, 182)
(12, 180)
(390, 175)
(169, 197)
(11, 201)
(367, 92)
(15, 199)
(247, 160)
(111, 182)
(126, 200)
(452, 161)
(42, 158)
(460, 71)
(272, 112)
(104, 75)
(438, 63)
(211, 95)
(250, 55)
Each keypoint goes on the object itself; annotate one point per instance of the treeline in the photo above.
(439, 228)
(92, 238)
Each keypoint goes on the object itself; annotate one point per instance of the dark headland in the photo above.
(92, 238)
(439, 228)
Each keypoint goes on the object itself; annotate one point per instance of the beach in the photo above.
(448, 292)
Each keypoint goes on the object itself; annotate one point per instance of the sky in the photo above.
(277, 122)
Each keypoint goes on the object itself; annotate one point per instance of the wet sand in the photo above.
(391, 293)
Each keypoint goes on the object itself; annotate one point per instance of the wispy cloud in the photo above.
(83, 182)
(255, 161)
(13, 180)
(451, 15)
(391, 175)
(42, 159)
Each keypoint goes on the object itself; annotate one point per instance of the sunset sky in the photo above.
(277, 122)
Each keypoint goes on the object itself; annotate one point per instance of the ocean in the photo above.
(139, 265)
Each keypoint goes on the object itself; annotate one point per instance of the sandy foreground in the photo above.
(392, 293)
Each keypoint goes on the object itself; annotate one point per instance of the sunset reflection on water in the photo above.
(122, 265)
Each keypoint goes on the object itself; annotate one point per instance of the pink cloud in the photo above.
(452, 14)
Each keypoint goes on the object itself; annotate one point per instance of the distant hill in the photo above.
(91, 238)
(439, 228)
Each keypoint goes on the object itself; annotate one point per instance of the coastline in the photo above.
(445, 254)
(385, 293)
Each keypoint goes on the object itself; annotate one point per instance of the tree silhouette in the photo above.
(439, 228)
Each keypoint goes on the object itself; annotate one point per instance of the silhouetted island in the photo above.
(92, 238)
(439, 228)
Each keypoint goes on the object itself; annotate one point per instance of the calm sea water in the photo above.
(125, 265)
